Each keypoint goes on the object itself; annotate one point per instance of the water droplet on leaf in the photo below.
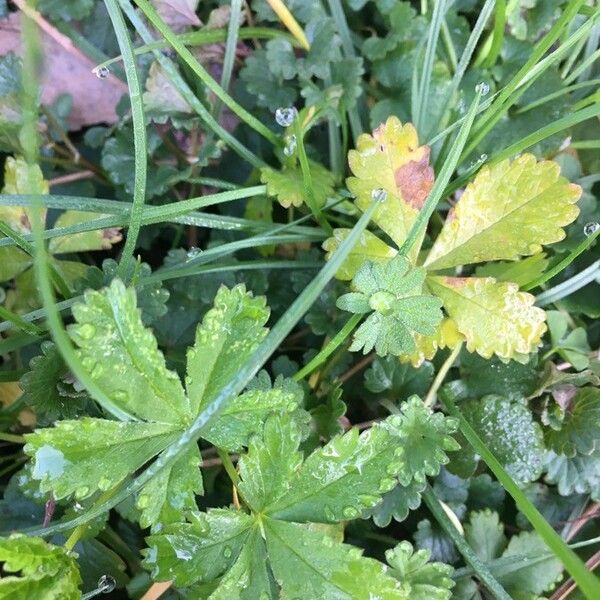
(482, 88)
(590, 228)
(290, 145)
(350, 512)
(86, 331)
(106, 584)
(102, 72)
(227, 552)
(379, 195)
(285, 116)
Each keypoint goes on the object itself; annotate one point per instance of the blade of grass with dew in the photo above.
(140, 142)
(29, 139)
(498, 39)
(480, 569)
(570, 286)
(585, 64)
(433, 35)
(269, 345)
(151, 14)
(171, 72)
(465, 60)
(586, 580)
(554, 95)
(436, 193)
(509, 94)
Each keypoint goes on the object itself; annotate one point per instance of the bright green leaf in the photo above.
(485, 534)
(100, 239)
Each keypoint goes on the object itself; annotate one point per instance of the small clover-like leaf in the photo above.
(494, 317)
(511, 209)
(392, 160)
(577, 475)
(485, 534)
(398, 503)
(425, 437)
(420, 579)
(287, 185)
(46, 571)
(394, 292)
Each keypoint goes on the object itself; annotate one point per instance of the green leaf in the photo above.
(577, 475)
(73, 457)
(246, 414)
(123, 358)
(100, 239)
(420, 579)
(47, 571)
(201, 550)
(394, 292)
(485, 534)
(13, 261)
(511, 209)
(398, 503)
(44, 386)
(573, 346)
(520, 272)
(287, 185)
(229, 333)
(172, 492)
(66, 9)
(552, 380)
(396, 380)
(425, 437)
(368, 248)
(391, 160)
(307, 564)
(535, 578)
(494, 317)
(578, 432)
(509, 431)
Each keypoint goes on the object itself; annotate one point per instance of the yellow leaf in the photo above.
(368, 247)
(17, 175)
(511, 209)
(391, 159)
(494, 317)
(447, 336)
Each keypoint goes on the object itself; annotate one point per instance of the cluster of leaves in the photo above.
(308, 482)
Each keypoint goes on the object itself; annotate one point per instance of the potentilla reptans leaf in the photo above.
(511, 209)
(45, 571)
(391, 160)
(123, 358)
(228, 335)
(495, 317)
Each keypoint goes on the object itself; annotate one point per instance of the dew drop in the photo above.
(393, 468)
(379, 195)
(104, 483)
(329, 515)
(77, 507)
(82, 492)
(285, 116)
(193, 252)
(102, 72)
(290, 145)
(106, 584)
(482, 88)
(350, 512)
(227, 552)
(482, 158)
(590, 228)
(387, 484)
(119, 396)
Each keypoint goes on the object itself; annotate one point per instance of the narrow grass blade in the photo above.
(287, 18)
(140, 142)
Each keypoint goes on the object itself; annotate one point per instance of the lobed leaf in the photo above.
(511, 209)
(392, 160)
(123, 357)
(494, 317)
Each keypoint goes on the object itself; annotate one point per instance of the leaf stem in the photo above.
(470, 557)
(11, 437)
(287, 18)
(441, 375)
(229, 466)
(330, 348)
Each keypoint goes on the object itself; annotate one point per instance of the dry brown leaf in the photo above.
(178, 14)
(94, 100)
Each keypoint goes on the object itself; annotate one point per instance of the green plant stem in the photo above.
(12, 438)
(449, 45)
(204, 37)
(330, 348)
(151, 14)
(418, 229)
(570, 286)
(586, 63)
(586, 581)
(564, 263)
(441, 375)
(499, 22)
(480, 568)
(307, 178)
(19, 322)
(232, 388)
(229, 466)
(140, 142)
